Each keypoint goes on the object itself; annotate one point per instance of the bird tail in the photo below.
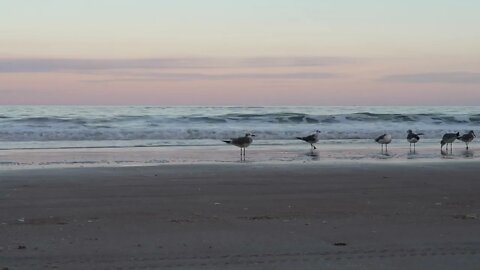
(227, 142)
(300, 138)
(420, 134)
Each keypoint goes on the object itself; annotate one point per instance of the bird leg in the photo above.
(242, 154)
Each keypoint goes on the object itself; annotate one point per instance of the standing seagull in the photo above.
(384, 139)
(448, 138)
(413, 138)
(467, 138)
(311, 139)
(242, 142)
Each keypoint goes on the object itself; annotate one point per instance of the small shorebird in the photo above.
(242, 142)
(467, 138)
(448, 138)
(311, 139)
(384, 139)
(413, 138)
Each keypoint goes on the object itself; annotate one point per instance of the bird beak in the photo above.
(253, 135)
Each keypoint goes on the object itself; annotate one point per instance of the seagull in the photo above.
(384, 139)
(413, 138)
(449, 138)
(467, 138)
(242, 142)
(311, 139)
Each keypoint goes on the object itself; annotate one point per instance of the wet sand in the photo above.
(243, 216)
(285, 152)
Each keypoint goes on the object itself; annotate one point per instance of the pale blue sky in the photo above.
(248, 27)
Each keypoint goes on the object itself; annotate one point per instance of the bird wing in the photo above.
(309, 138)
(465, 137)
(380, 137)
(242, 140)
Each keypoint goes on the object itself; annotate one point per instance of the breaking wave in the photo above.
(273, 123)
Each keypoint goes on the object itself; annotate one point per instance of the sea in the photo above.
(33, 129)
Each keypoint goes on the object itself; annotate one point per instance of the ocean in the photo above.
(93, 134)
(143, 126)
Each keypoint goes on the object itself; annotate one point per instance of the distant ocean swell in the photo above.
(200, 125)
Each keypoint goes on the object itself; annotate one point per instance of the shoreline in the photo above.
(326, 153)
(326, 164)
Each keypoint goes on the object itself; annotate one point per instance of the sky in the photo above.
(230, 52)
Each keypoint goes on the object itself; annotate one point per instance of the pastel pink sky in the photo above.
(240, 52)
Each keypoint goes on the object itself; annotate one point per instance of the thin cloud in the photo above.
(229, 76)
(435, 77)
(77, 65)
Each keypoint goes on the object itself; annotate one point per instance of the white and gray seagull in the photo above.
(467, 138)
(384, 140)
(448, 138)
(413, 138)
(242, 142)
(311, 139)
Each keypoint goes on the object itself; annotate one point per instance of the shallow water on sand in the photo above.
(327, 152)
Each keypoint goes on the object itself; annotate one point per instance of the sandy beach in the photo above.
(242, 216)
(276, 135)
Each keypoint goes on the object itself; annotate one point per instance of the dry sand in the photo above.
(242, 216)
